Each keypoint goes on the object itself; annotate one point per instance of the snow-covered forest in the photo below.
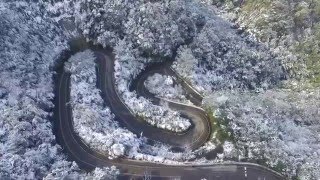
(221, 59)
(256, 62)
(30, 45)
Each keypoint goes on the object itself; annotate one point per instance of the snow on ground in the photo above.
(281, 126)
(95, 124)
(163, 86)
(127, 67)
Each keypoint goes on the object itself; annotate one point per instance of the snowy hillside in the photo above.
(259, 75)
(95, 124)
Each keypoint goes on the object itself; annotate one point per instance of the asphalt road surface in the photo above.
(132, 169)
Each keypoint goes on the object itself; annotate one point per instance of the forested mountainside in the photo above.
(256, 63)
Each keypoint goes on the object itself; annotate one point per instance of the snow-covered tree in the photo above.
(164, 86)
(185, 62)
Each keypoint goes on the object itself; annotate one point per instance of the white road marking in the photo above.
(245, 172)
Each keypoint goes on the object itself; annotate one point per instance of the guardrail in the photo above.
(185, 82)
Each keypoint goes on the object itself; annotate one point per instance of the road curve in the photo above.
(200, 130)
(88, 158)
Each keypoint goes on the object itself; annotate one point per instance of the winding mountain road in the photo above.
(88, 159)
(192, 139)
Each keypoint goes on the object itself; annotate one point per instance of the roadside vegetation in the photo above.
(220, 130)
